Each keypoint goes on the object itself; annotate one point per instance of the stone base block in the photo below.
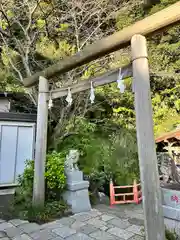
(75, 186)
(172, 213)
(78, 200)
(75, 176)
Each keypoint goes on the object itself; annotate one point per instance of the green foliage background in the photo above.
(55, 180)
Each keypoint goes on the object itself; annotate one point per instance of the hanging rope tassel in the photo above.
(92, 95)
(50, 104)
(120, 82)
(69, 97)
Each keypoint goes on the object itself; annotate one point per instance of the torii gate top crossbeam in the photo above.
(159, 20)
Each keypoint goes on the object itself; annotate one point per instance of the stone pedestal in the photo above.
(77, 195)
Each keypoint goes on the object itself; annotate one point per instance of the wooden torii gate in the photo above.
(152, 203)
(139, 70)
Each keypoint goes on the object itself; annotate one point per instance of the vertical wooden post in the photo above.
(154, 222)
(41, 142)
(135, 191)
(112, 193)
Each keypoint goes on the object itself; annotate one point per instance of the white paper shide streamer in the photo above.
(69, 97)
(92, 95)
(50, 103)
(120, 82)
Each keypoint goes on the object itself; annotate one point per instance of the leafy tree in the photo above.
(163, 50)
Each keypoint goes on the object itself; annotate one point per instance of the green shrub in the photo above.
(25, 189)
(55, 184)
(54, 177)
(170, 235)
(54, 174)
(103, 155)
(50, 211)
(122, 164)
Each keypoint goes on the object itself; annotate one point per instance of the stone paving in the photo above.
(118, 223)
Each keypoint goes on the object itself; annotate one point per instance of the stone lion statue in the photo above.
(71, 160)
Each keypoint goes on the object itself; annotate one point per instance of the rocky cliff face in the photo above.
(168, 170)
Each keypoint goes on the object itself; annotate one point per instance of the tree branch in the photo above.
(31, 12)
(10, 60)
(4, 33)
(5, 16)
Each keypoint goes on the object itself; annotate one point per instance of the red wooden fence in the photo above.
(136, 194)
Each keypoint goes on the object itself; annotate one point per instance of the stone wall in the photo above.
(171, 203)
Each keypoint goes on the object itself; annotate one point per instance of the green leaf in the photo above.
(63, 27)
(40, 23)
(10, 14)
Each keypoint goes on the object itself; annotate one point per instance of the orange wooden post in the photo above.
(112, 194)
(135, 191)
